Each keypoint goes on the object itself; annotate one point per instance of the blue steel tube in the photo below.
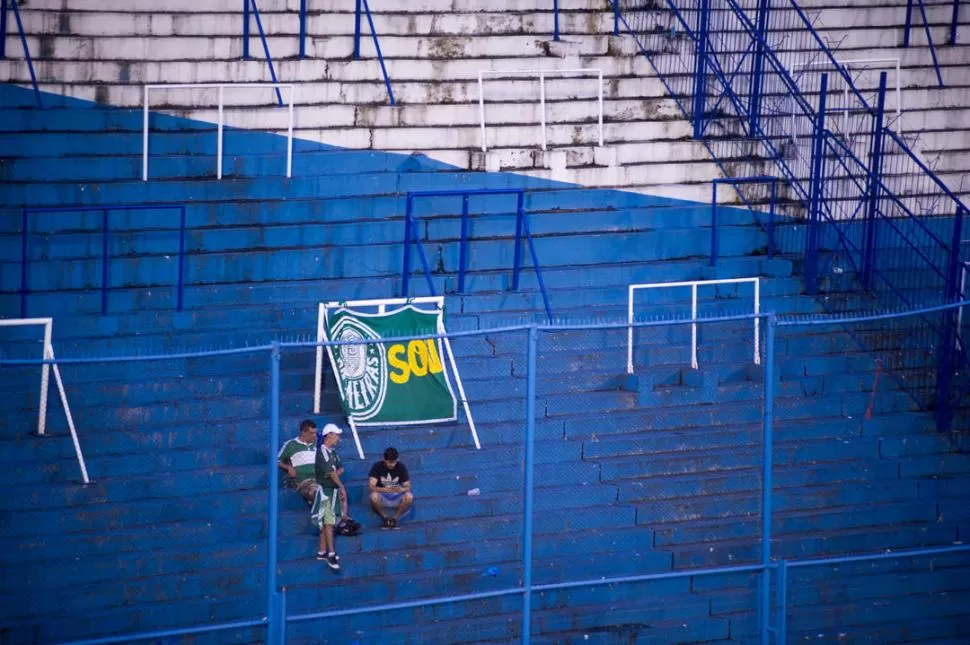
(24, 261)
(616, 17)
(875, 177)
(463, 244)
(30, 62)
(757, 76)
(909, 23)
(815, 214)
(3, 29)
(530, 412)
(357, 30)
(302, 28)
(380, 56)
(181, 286)
(555, 11)
(274, 484)
(246, 29)
(700, 69)
(766, 484)
(104, 262)
(269, 59)
(953, 24)
(406, 269)
(516, 261)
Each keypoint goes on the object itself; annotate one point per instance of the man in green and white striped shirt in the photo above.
(298, 457)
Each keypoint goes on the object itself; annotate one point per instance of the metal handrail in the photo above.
(377, 44)
(23, 43)
(262, 36)
(521, 229)
(221, 87)
(105, 258)
(929, 35)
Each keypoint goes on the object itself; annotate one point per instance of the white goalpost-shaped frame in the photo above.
(693, 284)
(382, 304)
(47, 324)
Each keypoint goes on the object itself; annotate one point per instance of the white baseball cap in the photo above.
(331, 428)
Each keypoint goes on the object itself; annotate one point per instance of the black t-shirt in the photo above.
(387, 477)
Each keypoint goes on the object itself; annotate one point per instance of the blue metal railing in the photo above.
(411, 236)
(929, 35)
(732, 181)
(377, 45)
(750, 93)
(105, 255)
(249, 6)
(770, 623)
(954, 21)
(23, 43)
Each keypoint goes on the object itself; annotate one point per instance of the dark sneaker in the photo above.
(385, 523)
(321, 555)
(392, 523)
(333, 561)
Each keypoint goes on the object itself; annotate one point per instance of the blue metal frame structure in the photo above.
(377, 43)
(249, 6)
(23, 43)
(735, 181)
(521, 230)
(929, 36)
(105, 257)
(275, 619)
(954, 22)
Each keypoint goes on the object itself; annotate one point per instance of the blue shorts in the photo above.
(391, 500)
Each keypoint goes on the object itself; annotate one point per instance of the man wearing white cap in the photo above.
(325, 505)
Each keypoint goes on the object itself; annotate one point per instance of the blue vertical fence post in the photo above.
(771, 217)
(245, 29)
(272, 600)
(302, 28)
(766, 483)
(909, 23)
(530, 410)
(781, 604)
(947, 348)
(815, 209)
(23, 43)
(757, 76)
(555, 19)
(406, 269)
(3, 29)
(181, 286)
(700, 69)
(463, 248)
(517, 261)
(104, 262)
(953, 23)
(357, 30)
(874, 181)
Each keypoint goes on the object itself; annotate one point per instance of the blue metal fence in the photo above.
(105, 254)
(362, 4)
(522, 230)
(742, 73)
(775, 586)
(929, 34)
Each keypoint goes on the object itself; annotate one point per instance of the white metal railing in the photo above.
(48, 353)
(693, 284)
(221, 87)
(542, 74)
(881, 63)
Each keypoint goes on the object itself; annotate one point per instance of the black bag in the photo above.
(347, 526)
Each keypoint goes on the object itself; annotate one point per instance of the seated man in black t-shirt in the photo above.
(390, 488)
